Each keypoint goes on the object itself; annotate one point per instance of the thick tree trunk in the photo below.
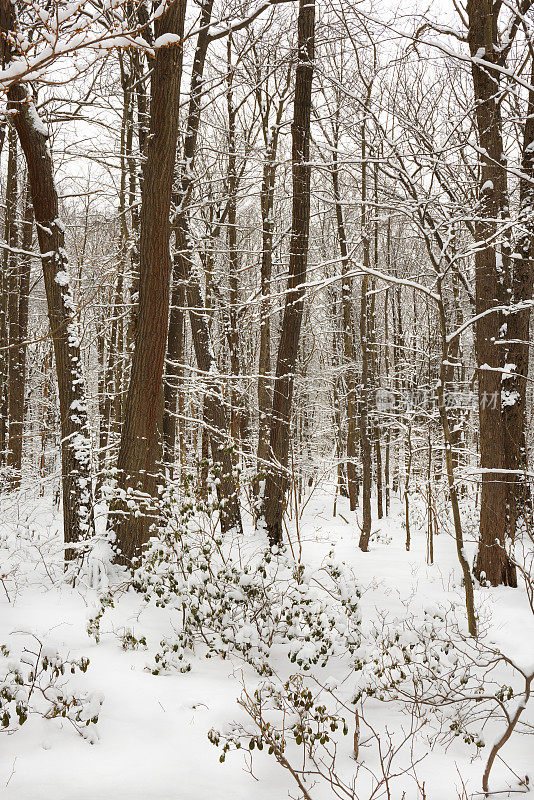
(144, 402)
(491, 265)
(277, 479)
(75, 437)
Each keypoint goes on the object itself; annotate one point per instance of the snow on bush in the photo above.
(248, 603)
(34, 679)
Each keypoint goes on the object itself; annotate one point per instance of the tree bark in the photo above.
(11, 287)
(365, 440)
(348, 332)
(144, 402)
(75, 436)
(17, 384)
(215, 413)
(267, 197)
(277, 478)
(514, 385)
(491, 264)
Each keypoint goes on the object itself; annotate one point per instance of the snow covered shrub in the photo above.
(34, 680)
(304, 726)
(131, 642)
(234, 599)
(105, 600)
(437, 672)
(306, 721)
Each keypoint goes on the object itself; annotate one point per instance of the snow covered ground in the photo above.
(153, 741)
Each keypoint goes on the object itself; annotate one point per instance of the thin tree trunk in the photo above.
(365, 441)
(233, 256)
(215, 414)
(387, 371)
(348, 331)
(18, 378)
(514, 386)
(11, 279)
(267, 196)
(75, 436)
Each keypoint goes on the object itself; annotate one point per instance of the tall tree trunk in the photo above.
(264, 363)
(267, 196)
(377, 430)
(174, 369)
(144, 402)
(11, 278)
(233, 256)
(17, 385)
(491, 263)
(514, 386)
(348, 330)
(75, 436)
(277, 480)
(365, 441)
(215, 414)
(388, 406)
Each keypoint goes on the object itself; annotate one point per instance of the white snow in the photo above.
(62, 278)
(152, 732)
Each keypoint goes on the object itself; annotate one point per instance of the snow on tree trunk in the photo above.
(62, 312)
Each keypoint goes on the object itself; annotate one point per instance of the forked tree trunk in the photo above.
(276, 483)
(75, 436)
(143, 412)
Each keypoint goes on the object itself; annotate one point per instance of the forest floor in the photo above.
(153, 741)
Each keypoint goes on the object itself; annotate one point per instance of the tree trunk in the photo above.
(514, 386)
(348, 332)
(11, 286)
(277, 479)
(144, 402)
(367, 467)
(17, 386)
(75, 436)
(236, 404)
(270, 135)
(491, 263)
(215, 413)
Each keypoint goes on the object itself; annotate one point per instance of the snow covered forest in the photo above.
(266, 415)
